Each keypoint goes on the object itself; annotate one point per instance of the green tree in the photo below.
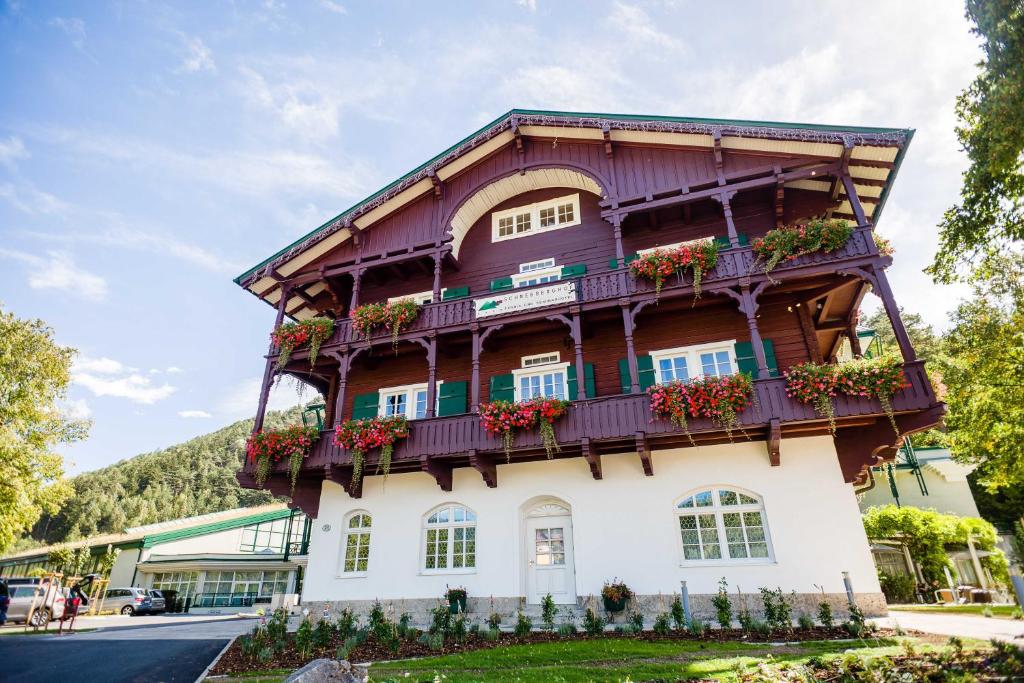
(927, 344)
(983, 373)
(990, 212)
(34, 376)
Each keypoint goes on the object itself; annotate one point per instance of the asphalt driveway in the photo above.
(158, 653)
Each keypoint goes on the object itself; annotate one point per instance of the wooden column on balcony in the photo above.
(851, 334)
(884, 292)
(357, 278)
(437, 276)
(474, 389)
(343, 359)
(575, 328)
(851, 195)
(268, 371)
(627, 323)
(730, 225)
(431, 374)
(620, 254)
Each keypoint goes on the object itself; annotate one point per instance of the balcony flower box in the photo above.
(720, 399)
(290, 336)
(394, 315)
(360, 436)
(506, 418)
(790, 242)
(265, 448)
(615, 595)
(699, 256)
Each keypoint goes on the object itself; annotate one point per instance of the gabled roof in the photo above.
(629, 127)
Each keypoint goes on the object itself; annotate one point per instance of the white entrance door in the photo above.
(549, 558)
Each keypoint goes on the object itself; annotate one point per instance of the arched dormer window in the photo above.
(355, 558)
(723, 524)
(449, 539)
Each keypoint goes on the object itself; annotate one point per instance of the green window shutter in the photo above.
(645, 373)
(629, 259)
(743, 239)
(589, 385)
(501, 283)
(624, 375)
(613, 263)
(645, 368)
(748, 363)
(722, 241)
(455, 293)
(503, 388)
(365, 405)
(577, 270)
(451, 398)
(571, 385)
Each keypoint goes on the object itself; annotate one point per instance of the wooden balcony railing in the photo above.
(614, 420)
(612, 285)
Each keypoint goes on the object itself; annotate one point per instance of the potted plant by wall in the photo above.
(615, 594)
(456, 600)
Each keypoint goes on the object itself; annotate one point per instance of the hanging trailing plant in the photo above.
(814, 383)
(394, 315)
(290, 336)
(788, 243)
(720, 399)
(267, 447)
(361, 436)
(878, 378)
(699, 256)
(505, 418)
(883, 245)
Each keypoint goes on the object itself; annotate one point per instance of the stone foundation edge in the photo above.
(478, 609)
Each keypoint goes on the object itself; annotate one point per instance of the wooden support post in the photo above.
(431, 374)
(644, 451)
(851, 195)
(440, 471)
(474, 390)
(268, 370)
(437, 276)
(486, 466)
(329, 400)
(620, 254)
(851, 333)
(730, 225)
(357, 278)
(774, 442)
(893, 312)
(748, 305)
(593, 459)
(577, 340)
(634, 371)
(339, 399)
(810, 336)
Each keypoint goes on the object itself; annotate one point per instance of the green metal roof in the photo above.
(634, 117)
(167, 536)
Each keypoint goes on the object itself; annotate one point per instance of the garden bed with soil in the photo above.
(235, 660)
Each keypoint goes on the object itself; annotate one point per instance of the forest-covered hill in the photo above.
(191, 478)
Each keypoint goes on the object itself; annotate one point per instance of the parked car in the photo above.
(49, 600)
(129, 601)
(159, 601)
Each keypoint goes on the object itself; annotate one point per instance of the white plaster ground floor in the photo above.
(549, 527)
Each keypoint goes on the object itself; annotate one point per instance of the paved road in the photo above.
(152, 653)
(968, 626)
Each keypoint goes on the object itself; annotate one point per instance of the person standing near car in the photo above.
(5, 601)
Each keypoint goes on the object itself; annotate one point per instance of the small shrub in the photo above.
(548, 611)
(762, 628)
(323, 634)
(265, 654)
(778, 612)
(494, 620)
(661, 624)
(492, 635)
(1017, 613)
(403, 623)
(745, 619)
(424, 639)
(441, 620)
(723, 606)
(523, 625)
(304, 637)
(459, 628)
(897, 588)
(474, 629)
(593, 624)
(825, 617)
(987, 613)
(346, 624)
(636, 619)
(805, 621)
(435, 641)
(567, 629)
(678, 614)
(696, 626)
(627, 629)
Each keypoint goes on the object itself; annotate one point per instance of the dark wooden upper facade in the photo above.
(638, 183)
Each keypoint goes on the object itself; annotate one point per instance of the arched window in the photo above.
(449, 537)
(356, 550)
(723, 524)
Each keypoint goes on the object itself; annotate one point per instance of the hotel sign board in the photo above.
(524, 300)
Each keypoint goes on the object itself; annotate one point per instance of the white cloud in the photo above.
(194, 414)
(134, 387)
(77, 409)
(73, 28)
(172, 370)
(332, 6)
(530, 5)
(11, 150)
(198, 56)
(31, 201)
(241, 400)
(639, 27)
(58, 271)
(102, 366)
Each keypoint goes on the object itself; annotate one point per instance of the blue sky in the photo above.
(149, 152)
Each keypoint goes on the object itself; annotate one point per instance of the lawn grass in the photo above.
(1001, 611)
(611, 660)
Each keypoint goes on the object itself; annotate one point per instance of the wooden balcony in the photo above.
(605, 289)
(622, 423)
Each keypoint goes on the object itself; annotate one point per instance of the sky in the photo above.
(150, 151)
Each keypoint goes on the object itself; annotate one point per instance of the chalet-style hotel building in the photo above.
(516, 244)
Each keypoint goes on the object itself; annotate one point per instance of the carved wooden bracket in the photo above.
(440, 471)
(592, 458)
(774, 442)
(342, 476)
(644, 451)
(305, 496)
(485, 465)
(859, 448)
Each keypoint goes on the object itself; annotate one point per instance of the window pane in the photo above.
(703, 499)
(505, 226)
(737, 551)
(523, 222)
(723, 362)
(747, 500)
(707, 364)
(547, 217)
(759, 550)
(421, 405)
(728, 497)
(565, 213)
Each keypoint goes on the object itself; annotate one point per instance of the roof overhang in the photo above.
(867, 146)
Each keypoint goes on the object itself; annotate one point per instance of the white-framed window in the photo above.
(537, 273)
(420, 298)
(551, 214)
(717, 359)
(409, 400)
(449, 540)
(355, 551)
(723, 524)
(541, 375)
